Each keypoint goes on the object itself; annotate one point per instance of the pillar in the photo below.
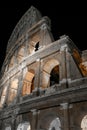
(63, 66)
(0, 124)
(65, 108)
(68, 60)
(7, 94)
(26, 45)
(20, 84)
(19, 97)
(13, 122)
(37, 77)
(34, 125)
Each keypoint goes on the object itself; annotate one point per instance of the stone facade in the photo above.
(43, 83)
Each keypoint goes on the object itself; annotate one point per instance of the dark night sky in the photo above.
(66, 18)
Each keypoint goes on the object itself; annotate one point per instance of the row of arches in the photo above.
(23, 51)
(53, 125)
(50, 76)
(21, 126)
(50, 124)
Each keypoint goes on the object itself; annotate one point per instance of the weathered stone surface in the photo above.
(43, 84)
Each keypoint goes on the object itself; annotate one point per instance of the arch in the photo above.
(21, 54)
(55, 124)
(24, 126)
(50, 122)
(13, 90)
(54, 75)
(28, 83)
(3, 96)
(37, 46)
(84, 123)
(34, 43)
(8, 128)
(47, 69)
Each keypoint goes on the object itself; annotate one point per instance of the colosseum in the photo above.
(43, 82)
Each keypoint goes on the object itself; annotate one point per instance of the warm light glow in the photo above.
(28, 83)
(78, 60)
(13, 90)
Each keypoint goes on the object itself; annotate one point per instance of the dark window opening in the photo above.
(54, 76)
(53, 128)
(37, 46)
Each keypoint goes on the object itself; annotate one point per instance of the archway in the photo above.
(50, 73)
(84, 123)
(54, 76)
(28, 83)
(34, 43)
(55, 124)
(8, 128)
(50, 122)
(24, 126)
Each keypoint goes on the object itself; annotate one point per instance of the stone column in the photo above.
(37, 78)
(15, 58)
(34, 125)
(14, 117)
(21, 79)
(13, 122)
(45, 80)
(68, 60)
(65, 108)
(0, 124)
(7, 94)
(20, 84)
(26, 45)
(63, 67)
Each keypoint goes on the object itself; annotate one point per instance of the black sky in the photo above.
(66, 18)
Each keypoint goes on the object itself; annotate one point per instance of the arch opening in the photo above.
(55, 124)
(54, 76)
(28, 83)
(50, 73)
(34, 44)
(84, 123)
(50, 122)
(53, 128)
(37, 46)
(8, 128)
(24, 126)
